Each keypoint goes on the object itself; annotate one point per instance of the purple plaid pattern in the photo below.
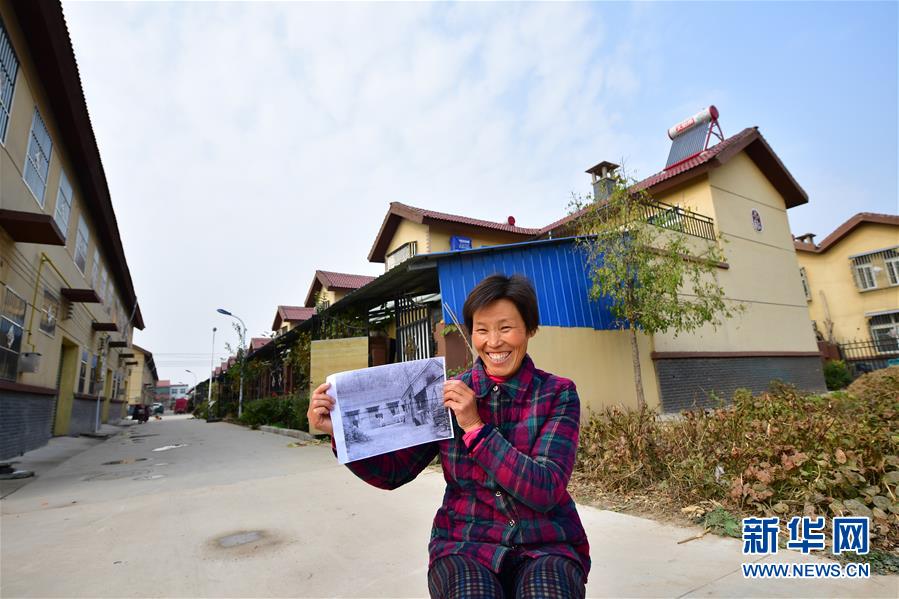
(509, 493)
(547, 577)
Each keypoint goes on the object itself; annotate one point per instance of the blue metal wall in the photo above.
(556, 267)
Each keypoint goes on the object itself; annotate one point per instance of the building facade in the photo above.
(67, 303)
(851, 281)
(142, 382)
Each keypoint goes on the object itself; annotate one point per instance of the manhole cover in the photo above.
(240, 538)
(149, 477)
(116, 475)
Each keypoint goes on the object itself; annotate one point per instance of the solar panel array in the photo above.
(689, 144)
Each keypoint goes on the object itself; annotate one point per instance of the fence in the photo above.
(867, 356)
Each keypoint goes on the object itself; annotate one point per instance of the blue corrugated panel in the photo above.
(556, 268)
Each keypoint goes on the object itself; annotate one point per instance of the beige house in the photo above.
(329, 287)
(737, 189)
(143, 378)
(67, 303)
(851, 280)
(288, 317)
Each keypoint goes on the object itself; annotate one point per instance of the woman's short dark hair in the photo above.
(517, 289)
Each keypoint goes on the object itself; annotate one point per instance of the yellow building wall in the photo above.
(599, 363)
(440, 237)
(833, 288)
(330, 356)
(408, 231)
(763, 274)
(695, 195)
(25, 268)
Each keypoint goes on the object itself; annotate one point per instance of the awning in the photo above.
(81, 296)
(31, 227)
(105, 326)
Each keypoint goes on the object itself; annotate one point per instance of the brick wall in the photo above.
(687, 382)
(84, 416)
(25, 422)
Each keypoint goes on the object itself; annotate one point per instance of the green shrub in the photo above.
(781, 453)
(836, 374)
(286, 411)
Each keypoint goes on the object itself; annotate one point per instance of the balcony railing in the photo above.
(678, 219)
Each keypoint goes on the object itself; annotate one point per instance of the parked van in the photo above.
(181, 406)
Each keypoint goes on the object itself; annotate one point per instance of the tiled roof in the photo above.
(339, 280)
(164, 383)
(334, 280)
(291, 314)
(749, 139)
(398, 211)
(257, 342)
(846, 228)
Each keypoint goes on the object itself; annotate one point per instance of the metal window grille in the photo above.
(9, 68)
(12, 322)
(401, 254)
(63, 204)
(803, 276)
(414, 340)
(37, 162)
(875, 269)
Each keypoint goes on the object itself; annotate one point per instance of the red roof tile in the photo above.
(257, 342)
(398, 211)
(291, 314)
(335, 280)
(846, 228)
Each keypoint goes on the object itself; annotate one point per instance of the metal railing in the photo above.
(867, 356)
(678, 219)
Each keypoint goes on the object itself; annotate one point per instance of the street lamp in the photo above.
(211, 375)
(243, 356)
(195, 380)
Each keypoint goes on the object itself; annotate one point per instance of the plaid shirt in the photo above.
(507, 494)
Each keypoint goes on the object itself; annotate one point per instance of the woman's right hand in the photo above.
(320, 406)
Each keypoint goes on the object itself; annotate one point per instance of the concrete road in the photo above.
(182, 508)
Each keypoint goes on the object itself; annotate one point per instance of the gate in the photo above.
(414, 338)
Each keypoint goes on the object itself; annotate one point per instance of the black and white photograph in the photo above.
(385, 408)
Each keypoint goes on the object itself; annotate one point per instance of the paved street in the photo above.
(182, 508)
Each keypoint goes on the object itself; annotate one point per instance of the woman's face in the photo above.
(500, 337)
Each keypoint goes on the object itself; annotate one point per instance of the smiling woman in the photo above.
(507, 526)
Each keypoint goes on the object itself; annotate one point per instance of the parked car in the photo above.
(158, 408)
(181, 405)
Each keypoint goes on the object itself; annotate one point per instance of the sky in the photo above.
(248, 144)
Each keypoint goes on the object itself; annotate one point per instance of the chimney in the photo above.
(807, 238)
(603, 179)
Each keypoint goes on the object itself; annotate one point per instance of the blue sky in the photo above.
(247, 144)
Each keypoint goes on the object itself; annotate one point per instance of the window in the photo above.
(49, 313)
(82, 373)
(9, 68)
(95, 272)
(37, 161)
(805, 286)
(63, 204)
(81, 241)
(892, 264)
(104, 281)
(864, 273)
(885, 332)
(12, 319)
(401, 254)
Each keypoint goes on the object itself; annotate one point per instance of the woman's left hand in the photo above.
(458, 397)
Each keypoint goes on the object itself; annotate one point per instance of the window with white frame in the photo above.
(885, 332)
(104, 280)
(12, 322)
(81, 240)
(95, 272)
(9, 68)
(864, 273)
(803, 276)
(37, 160)
(891, 260)
(63, 204)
